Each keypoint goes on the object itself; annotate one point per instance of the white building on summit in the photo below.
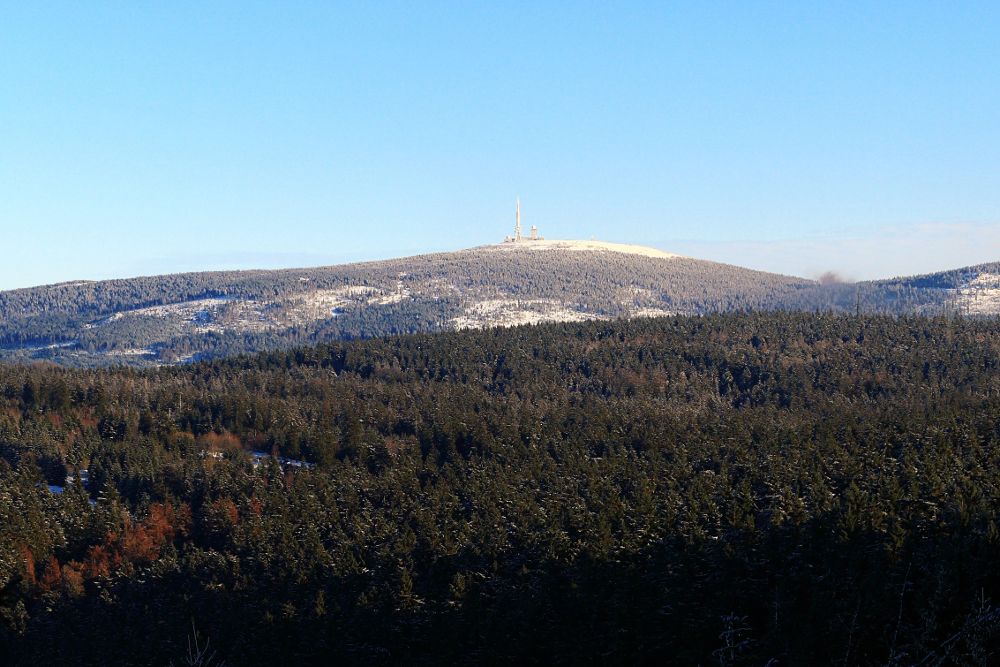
(517, 237)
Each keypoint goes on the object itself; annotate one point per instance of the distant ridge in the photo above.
(176, 318)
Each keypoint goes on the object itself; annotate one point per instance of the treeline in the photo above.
(731, 489)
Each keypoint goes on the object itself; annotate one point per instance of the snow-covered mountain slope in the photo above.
(175, 318)
(980, 295)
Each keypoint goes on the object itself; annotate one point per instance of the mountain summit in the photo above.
(543, 244)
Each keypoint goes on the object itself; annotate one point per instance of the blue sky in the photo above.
(800, 137)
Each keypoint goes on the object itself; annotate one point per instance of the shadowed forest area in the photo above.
(740, 489)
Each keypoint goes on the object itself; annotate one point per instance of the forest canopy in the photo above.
(731, 489)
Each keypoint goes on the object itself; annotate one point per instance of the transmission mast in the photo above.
(517, 221)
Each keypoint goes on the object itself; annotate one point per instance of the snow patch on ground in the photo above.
(512, 312)
(187, 310)
(640, 293)
(586, 245)
(219, 314)
(651, 312)
(392, 297)
(248, 315)
(130, 352)
(437, 287)
(981, 295)
(42, 346)
(322, 304)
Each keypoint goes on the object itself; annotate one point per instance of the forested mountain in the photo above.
(176, 318)
(754, 488)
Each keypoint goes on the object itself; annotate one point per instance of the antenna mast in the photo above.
(517, 221)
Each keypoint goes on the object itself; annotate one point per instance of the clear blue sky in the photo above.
(145, 137)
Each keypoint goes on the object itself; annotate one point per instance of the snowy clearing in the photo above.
(188, 310)
(651, 312)
(321, 304)
(130, 352)
(586, 245)
(512, 312)
(981, 295)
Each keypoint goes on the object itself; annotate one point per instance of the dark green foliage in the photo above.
(737, 489)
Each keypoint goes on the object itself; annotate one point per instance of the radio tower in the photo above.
(517, 221)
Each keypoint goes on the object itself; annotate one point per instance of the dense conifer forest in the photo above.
(739, 489)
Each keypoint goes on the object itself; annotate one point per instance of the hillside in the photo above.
(971, 290)
(165, 319)
(177, 318)
(740, 489)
